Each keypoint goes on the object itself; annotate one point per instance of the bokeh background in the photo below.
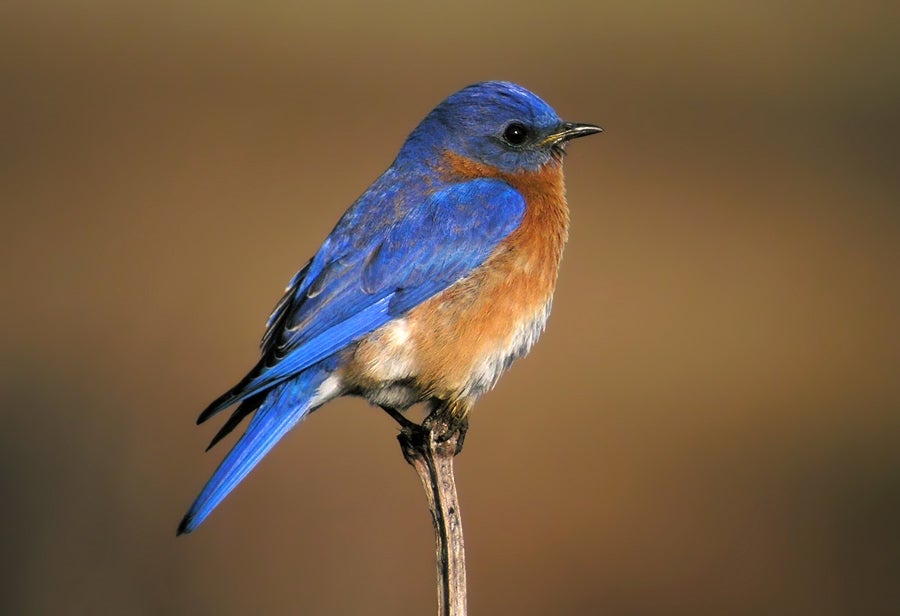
(711, 424)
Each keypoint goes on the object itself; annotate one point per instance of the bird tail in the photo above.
(283, 408)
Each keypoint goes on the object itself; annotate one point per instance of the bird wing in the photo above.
(353, 286)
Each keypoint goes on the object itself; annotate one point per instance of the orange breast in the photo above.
(481, 323)
(454, 346)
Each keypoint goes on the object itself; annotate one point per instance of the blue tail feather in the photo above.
(285, 406)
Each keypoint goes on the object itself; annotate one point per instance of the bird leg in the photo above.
(400, 418)
(443, 426)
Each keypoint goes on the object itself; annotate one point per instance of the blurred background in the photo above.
(710, 425)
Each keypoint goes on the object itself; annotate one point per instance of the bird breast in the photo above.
(457, 344)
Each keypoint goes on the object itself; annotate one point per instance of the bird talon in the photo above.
(454, 429)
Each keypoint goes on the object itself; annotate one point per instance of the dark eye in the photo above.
(515, 134)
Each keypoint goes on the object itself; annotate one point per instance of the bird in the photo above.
(437, 278)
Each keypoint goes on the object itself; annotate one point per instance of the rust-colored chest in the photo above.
(455, 345)
(467, 335)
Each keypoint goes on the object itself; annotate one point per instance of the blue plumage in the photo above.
(282, 409)
(435, 244)
(438, 243)
(413, 234)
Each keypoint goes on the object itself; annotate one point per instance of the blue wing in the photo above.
(283, 407)
(366, 274)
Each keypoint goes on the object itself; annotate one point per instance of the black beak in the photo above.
(571, 130)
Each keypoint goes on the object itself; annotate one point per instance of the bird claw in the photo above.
(445, 430)
(439, 428)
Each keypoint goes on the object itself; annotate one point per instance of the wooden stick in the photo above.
(431, 453)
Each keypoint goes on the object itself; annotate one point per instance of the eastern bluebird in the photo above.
(433, 282)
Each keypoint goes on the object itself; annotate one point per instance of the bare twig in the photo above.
(430, 450)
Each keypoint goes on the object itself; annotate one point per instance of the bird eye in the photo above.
(515, 134)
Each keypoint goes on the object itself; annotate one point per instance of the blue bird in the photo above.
(433, 282)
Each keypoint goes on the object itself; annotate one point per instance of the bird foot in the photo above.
(445, 431)
(438, 432)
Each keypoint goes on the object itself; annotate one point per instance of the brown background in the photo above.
(709, 426)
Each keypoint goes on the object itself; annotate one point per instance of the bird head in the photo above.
(495, 123)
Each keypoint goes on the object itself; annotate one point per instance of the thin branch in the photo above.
(430, 450)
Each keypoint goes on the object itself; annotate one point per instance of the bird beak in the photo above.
(571, 130)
